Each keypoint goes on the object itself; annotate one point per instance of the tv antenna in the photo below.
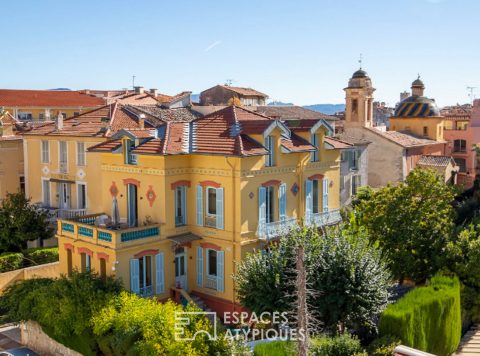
(133, 81)
(360, 60)
(471, 94)
(229, 82)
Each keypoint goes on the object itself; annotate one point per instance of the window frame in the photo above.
(317, 200)
(84, 184)
(44, 152)
(180, 194)
(81, 153)
(315, 155)
(270, 145)
(60, 156)
(462, 146)
(208, 250)
(207, 202)
(49, 203)
(270, 202)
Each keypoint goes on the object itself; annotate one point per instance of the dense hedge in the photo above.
(30, 257)
(10, 261)
(427, 318)
(341, 345)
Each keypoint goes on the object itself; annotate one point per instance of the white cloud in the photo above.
(213, 45)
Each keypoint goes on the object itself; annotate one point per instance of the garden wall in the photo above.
(48, 270)
(34, 338)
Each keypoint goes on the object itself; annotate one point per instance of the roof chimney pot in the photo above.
(59, 122)
(139, 90)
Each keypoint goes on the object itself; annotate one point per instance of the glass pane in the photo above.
(212, 262)
(177, 273)
(212, 201)
(315, 196)
(270, 203)
(148, 266)
(182, 265)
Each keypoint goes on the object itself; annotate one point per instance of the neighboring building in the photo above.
(381, 114)
(12, 177)
(416, 130)
(228, 95)
(459, 133)
(190, 200)
(45, 105)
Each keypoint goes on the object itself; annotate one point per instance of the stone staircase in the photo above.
(470, 343)
(201, 304)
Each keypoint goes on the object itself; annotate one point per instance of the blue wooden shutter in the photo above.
(134, 276)
(199, 263)
(159, 273)
(220, 271)
(283, 202)
(199, 205)
(262, 205)
(220, 208)
(308, 201)
(325, 195)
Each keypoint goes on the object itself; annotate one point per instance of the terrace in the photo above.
(96, 228)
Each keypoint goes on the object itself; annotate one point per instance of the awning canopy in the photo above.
(184, 239)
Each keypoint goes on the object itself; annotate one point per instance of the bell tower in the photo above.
(359, 101)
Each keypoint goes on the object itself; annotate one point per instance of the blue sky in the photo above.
(298, 51)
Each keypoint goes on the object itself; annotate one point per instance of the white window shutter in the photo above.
(325, 195)
(220, 224)
(262, 206)
(199, 262)
(283, 202)
(220, 271)
(159, 273)
(134, 276)
(308, 200)
(199, 205)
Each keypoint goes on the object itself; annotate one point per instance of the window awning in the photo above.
(57, 180)
(184, 239)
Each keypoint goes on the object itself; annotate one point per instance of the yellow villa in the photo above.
(177, 206)
(12, 177)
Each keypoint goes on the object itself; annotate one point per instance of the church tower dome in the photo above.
(359, 100)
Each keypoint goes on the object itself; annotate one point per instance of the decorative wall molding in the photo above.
(180, 183)
(102, 256)
(143, 253)
(86, 251)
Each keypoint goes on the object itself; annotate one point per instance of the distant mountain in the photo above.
(328, 109)
(280, 103)
(61, 89)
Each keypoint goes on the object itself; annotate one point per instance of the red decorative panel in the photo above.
(273, 182)
(113, 189)
(131, 181)
(180, 183)
(151, 196)
(210, 183)
(103, 256)
(210, 246)
(146, 253)
(69, 247)
(86, 251)
(316, 177)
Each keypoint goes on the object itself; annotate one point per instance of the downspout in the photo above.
(234, 250)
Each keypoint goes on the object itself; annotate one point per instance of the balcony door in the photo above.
(63, 191)
(181, 268)
(132, 205)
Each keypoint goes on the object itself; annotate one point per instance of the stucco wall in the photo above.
(49, 270)
(34, 338)
(11, 166)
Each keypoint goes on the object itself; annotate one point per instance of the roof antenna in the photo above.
(133, 81)
(228, 82)
(360, 59)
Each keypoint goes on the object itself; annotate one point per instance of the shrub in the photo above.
(277, 348)
(342, 345)
(10, 261)
(383, 346)
(131, 325)
(41, 255)
(427, 318)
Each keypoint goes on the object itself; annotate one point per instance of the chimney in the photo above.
(59, 122)
(141, 121)
(139, 90)
(154, 92)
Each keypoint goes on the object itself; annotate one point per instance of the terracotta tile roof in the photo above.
(141, 133)
(352, 140)
(244, 91)
(301, 125)
(405, 139)
(292, 112)
(101, 122)
(136, 99)
(337, 144)
(296, 144)
(152, 147)
(250, 147)
(47, 98)
(435, 161)
(106, 146)
(165, 115)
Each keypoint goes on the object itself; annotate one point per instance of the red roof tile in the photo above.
(297, 144)
(47, 98)
(106, 146)
(337, 144)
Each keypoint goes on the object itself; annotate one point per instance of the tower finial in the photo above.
(360, 59)
(418, 76)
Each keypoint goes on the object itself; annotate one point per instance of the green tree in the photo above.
(411, 222)
(20, 222)
(346, 276)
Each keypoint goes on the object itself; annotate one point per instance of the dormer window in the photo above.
(315, 142)
(130, 158)
(270, 145)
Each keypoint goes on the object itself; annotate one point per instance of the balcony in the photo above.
(95, 228)
(331, 217)
(269, 231)
(53, 214)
